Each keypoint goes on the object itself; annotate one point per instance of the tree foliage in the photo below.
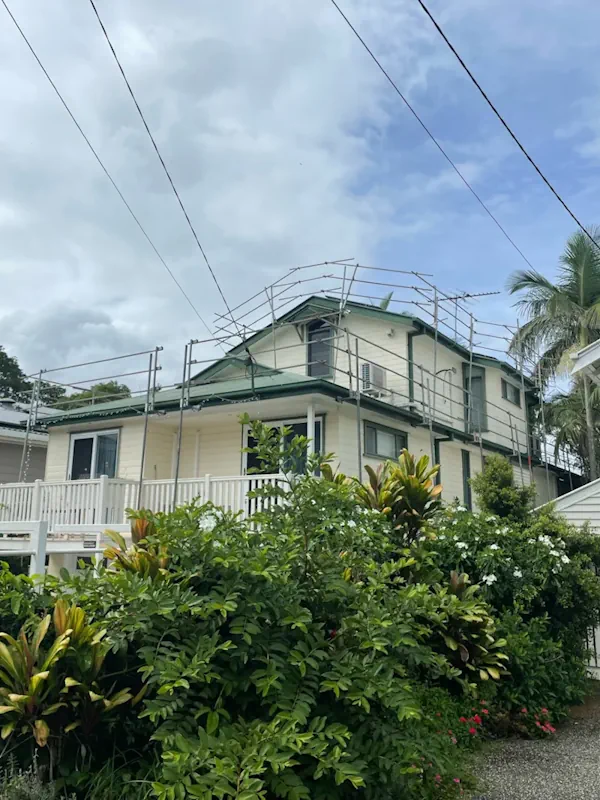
(98, 393)
(497, 493)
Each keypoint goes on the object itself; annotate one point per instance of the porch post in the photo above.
(102, 499)
(36, 503)
(310, 429)
(39, 535)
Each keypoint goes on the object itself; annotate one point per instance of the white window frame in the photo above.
(94, 436)
(280, 423)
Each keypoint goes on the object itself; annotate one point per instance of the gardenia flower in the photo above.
(460, 508)
(462, 545)
(517, 573)
(489, 579)
(565, 559)
(494, 547)
(554, 553)
(490, 519)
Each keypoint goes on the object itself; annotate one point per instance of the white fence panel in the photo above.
(16, 500)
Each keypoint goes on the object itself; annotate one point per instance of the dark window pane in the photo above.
(371, 440)
(81, 464)
(319, 349)
(106, 454)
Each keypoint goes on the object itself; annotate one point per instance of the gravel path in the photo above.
(565, 767)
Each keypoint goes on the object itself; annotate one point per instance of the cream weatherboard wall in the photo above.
(128, 457)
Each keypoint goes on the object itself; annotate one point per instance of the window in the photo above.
(320, 350)
(93, 454)
(475, 402)
(298, 428)
(466, 476)
(384, 442)
(511, 392)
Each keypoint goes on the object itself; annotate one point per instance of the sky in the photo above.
(288, 147)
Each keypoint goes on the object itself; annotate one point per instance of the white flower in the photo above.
(494, 547)
(565, 559)
(530, 541)
(489, 579)
(460, 508)
(351, 523)
(462, 545)
(442, 537)
(554, 553)
(455, 522)
(517, 573)
(490, 519)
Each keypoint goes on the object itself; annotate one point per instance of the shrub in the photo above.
(497, 494)
(293, 662)
(545, 600)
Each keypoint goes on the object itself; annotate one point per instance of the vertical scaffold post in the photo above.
(31, 423)
(470, 381)
(436, 314)
(180, 430)
(543, 416)
(273, 321)
(358, 422)
(521, 360)
(145, 433)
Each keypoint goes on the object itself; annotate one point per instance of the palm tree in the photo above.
(565, 422)
(562, 316)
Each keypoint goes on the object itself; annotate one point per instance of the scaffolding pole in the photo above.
(180, 430)
(522, 373)
(145, 433)
(543, 414)
(31, 422)
(358, 424)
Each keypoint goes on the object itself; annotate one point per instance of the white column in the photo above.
(39, 535)
(101, 512)
(310, 428)
(36, 503)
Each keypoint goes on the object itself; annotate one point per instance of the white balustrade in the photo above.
(104, 500)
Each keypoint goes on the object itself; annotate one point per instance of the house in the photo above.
(13, 421)
(418, 389)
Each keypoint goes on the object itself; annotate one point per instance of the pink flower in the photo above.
(523, 710)
(544, 710)
(484, 711)
(438, 778)
(477, 719)
(453, 740)
(456, 780)
(462, 719)
(472, 731)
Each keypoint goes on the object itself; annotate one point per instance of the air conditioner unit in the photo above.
(373, 379)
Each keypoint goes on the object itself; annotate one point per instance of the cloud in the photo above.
(287, 145)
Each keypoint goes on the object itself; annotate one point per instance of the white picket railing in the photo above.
(104, 500)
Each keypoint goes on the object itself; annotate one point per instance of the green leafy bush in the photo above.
(496, 491)
(545, 600)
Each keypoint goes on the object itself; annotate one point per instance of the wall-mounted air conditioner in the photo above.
(373, 378)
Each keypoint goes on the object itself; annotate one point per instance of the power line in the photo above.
(506, 125)
(164, 166)
(104, 169)
(430, 134)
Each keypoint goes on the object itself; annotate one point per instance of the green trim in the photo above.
(466, 477)
(438, 460)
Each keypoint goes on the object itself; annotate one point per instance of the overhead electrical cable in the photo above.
(164, 166)
(431, 136)
(102, 165)
(505, 124)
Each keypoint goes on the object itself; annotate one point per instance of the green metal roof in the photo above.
(201, 394)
